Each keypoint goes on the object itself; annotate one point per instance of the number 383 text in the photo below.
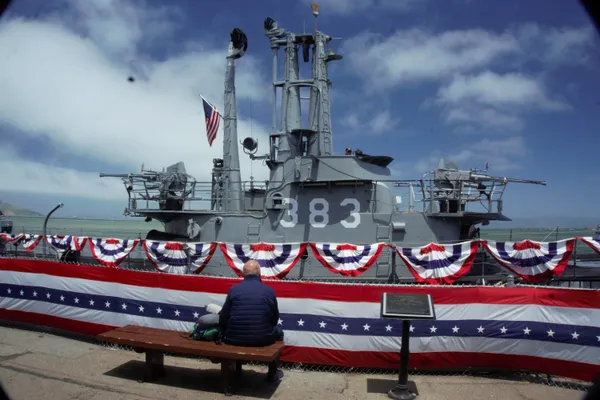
(318, 213)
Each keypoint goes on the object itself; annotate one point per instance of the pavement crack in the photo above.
(71, 381)
(13, 356)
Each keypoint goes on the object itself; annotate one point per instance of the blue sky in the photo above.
(512, 83)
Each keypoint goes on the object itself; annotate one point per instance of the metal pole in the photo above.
(59, 205)
(401, 391)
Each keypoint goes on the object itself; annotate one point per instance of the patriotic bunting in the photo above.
(167, 256)
(111, 252)
(433, 263)
(275, 260)
(174, 257)
(593, 242)
(347, 259)
(200, 255)
(530, 260)
(62, 243)
(30, 242)
(11, 238)
(547, 330)
(437, 264)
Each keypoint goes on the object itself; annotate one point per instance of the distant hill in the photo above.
(546, 222)
(13, 211)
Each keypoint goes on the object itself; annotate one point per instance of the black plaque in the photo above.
(407, 306)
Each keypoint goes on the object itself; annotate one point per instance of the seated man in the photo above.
(250, 314)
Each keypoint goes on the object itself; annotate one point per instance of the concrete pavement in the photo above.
(41, 365)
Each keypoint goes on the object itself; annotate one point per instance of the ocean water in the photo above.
(136, 228)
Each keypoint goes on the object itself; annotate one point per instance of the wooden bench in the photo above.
(155, 342)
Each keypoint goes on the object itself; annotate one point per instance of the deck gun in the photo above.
(451, 186)
(169, 188)
(447, 176)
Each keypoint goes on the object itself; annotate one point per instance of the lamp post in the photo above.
(59, 205)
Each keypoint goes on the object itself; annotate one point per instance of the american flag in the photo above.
(211, 115)
(548, 330)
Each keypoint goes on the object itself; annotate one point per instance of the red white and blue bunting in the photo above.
(11, 238)
(347, 259)
(62, 243)
(30, 242)
(593, 242)
(177, 257)
(111, 252)
(275, 260)
(532, 261)
(433, 263)
(439, 264)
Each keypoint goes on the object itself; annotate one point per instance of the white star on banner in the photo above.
(433, 329)
(76, 300)
(300, 323)
(480, 329)
(141, 308)
(550, 333)
(34, 293)
(107, 304)
(412, 328)
(322, 324)
(62, 298)
(91, 302)
(124, 306)
(177, 312)
(47, 295)
(503, 330)
(526, 330)
(159, 310)
(455, 329)
(366, 327)
(9, 291)
(344, 327)
(196, 315)
(388, 328)
(22, 293)
(575, 335)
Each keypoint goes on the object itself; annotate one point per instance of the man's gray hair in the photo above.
(252, 267)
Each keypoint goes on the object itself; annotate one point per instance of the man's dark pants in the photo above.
(212, 320)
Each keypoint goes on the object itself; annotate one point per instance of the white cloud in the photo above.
(463, 62)
(489, 88)
(381, 122)
(345, 7)
(20, 175)
(502, 155)
(417, 55)
(492, 100)
(69, 83)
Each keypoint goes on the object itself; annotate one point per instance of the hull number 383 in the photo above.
(318, 213)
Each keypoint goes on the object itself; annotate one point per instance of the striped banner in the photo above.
(554, 331)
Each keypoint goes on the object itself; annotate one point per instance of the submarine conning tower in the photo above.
(289, 139)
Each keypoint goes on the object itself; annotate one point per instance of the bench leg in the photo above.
(155, 366)
(227, 377)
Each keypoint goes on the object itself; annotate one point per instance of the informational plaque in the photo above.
(407, 306)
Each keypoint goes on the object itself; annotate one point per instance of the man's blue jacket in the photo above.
(250, 314)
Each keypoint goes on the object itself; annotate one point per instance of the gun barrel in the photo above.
(144, 175)
(481, 177)
(103, 175)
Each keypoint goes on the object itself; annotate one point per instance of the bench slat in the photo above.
(180, 342)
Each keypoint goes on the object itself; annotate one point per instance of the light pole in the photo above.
(59, 205)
